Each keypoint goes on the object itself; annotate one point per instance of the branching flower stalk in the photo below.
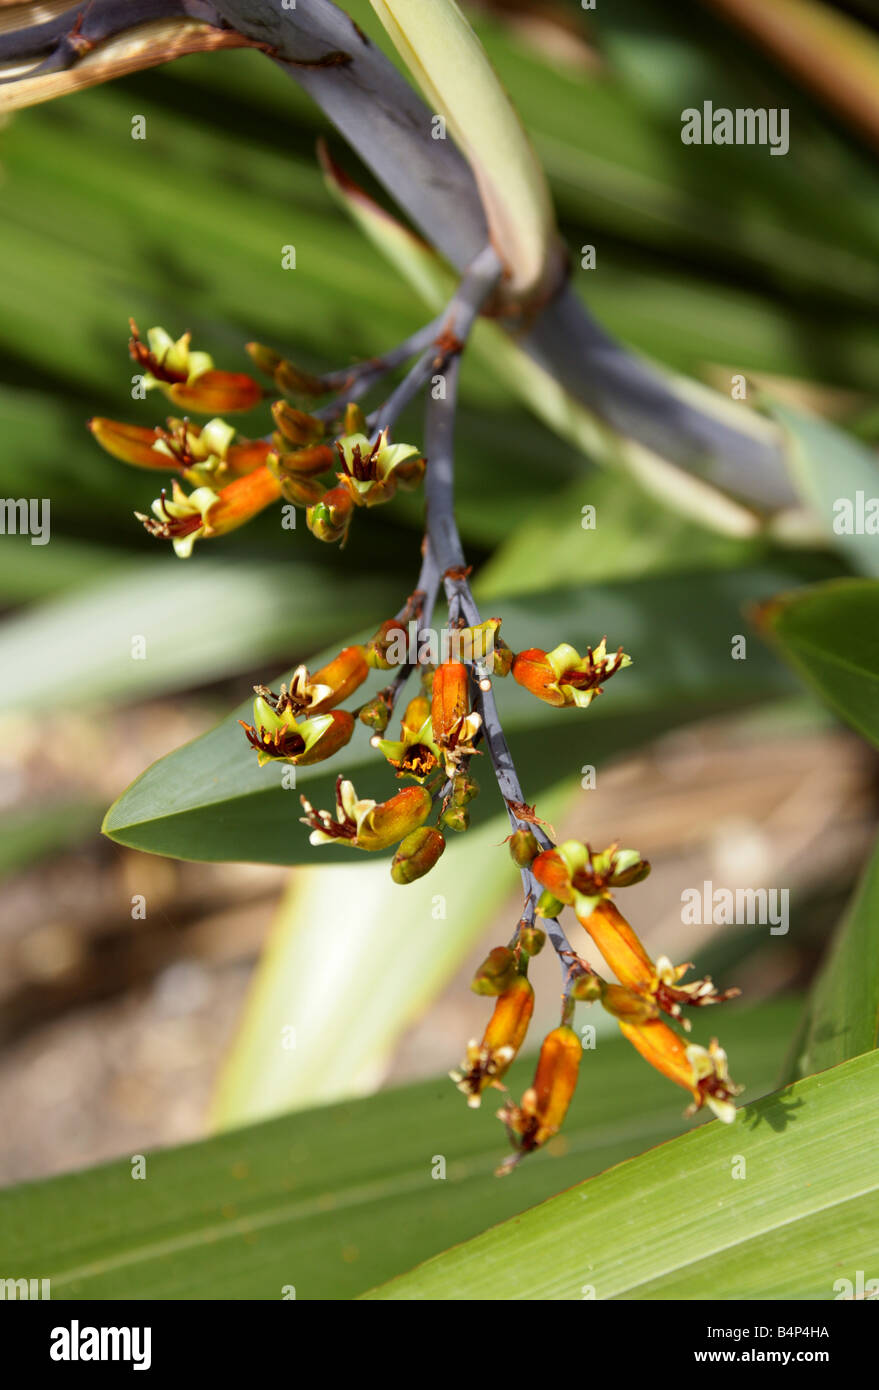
(335, 462)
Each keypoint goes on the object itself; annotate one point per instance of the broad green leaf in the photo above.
(210, 800)
(381, 964)
(830, 635)
(337, 1199)
(841, 1018)
(675, 1224)
(838, 477)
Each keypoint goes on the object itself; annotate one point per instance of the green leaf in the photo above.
(841, 1018)
(675, 1224)
(198, 619)
(634, 535)
(831, 468)
(830, 635)
(450, 65)
(210, 800)
(337, 1199)
(26, 836)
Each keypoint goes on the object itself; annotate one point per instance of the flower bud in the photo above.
(465, 789)
(624, 1004)
(553, 874)
(298, 427)
(302, 492)
(307, 462)
(523, 848)
(390, 640)
(532, 940)
(456, 818)
(417, 854)
(354, 421)
(376, 713)
(496, 972)
(548, 906)
(286, 376)
(587, 988)
(330, 518)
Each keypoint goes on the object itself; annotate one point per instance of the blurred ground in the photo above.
(112, 1028)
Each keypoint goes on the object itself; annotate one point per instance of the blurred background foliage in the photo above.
(713, 262)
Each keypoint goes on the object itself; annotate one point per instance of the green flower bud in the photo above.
(496, 972)
(464, 789)
(523, 848)
(455, 817)
(417, 854)
(548, 905)
(532, 940)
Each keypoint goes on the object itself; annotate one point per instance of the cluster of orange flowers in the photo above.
(233, 481)
(573, 875)
(442, 728)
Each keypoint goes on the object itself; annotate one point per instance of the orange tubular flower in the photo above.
(545, 1103)
(199, 452)
(183, 519)
(701, 1071)
(620, 947)
(562, 677)
(454, 727)
(632, 966)
(328, 687)
(188, 378)
(485, 1063)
